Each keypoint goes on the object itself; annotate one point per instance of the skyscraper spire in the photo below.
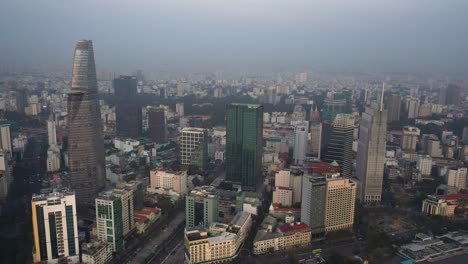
(85, 141)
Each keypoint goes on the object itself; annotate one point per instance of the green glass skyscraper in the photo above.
(244, 135)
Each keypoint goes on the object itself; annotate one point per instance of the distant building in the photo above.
(370, 157)
(244, 144)
(53, 152)
(328, 202)
(424, 164)
(55, 227)
(315, 134)
(300, 143)
(410, 138)
(457, 178)
(157, 125)
(393, 106)
(96, 252)
(412, 105)
(194, 147)
(339, 143)
(168, 182)
(5, 176)
(180, 109)
(128, 112)
(201, 206)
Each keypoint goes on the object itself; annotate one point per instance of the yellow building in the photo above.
(286, 237)
(441, 205)
(340, 204)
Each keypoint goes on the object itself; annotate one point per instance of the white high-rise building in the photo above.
(5, 138)
(413, 108)
(424, 164)
(180, 109)
(300, 143)
(370, 157)
(53, 153)
(194, 147)
(5, 178)
(457, 178)
(55, 227)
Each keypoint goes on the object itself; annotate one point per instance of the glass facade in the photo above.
(244, 135)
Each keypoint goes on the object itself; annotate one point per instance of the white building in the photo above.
(457, 178)
(126, 145)
(180, 109)
(5, 176)
(424, 164)
(55, 227)
(300, 143)
(222, 243)
(96, 252)
(168, 182)
(53, 152)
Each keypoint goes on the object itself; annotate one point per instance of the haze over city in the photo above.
(241, 36)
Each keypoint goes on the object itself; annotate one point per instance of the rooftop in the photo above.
(54, 193)
(92, 247)
(295, 227)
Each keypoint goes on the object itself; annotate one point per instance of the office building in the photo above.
(370, 157)
(114, 217)
(96, 252)
(128, 113)
(85, 139)
(5, 176)
(338, 144)
(168, 182)
(288, 186)
(451, 95)
(218, 242)
(180, 109)
(457, 178)
(201, 206)
(157, 125)
(5, 139)
(412, 105)
(328, 202)
(55, 227)
(332, 107)
(244, 140)
(393, 106)
(194, 147)
(424, 165)
(53, 152)
(315, 134)
(409, 138)
(300, 142)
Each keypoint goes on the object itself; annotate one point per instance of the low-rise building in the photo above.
(442, 205)
(145, 217)
(96, 252)
(219, 243)
(271, 238)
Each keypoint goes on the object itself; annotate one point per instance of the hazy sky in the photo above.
(208, 35)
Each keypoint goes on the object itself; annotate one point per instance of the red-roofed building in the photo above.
(442, 205)
(285, 237)
(145, 217)
(322, 167)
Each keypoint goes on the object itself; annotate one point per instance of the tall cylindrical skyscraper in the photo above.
(85, 141)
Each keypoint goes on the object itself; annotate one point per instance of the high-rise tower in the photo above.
(370, 157)
(244, 135)
(127, 110)
(85, 141)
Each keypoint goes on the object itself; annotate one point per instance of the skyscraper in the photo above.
(5, 139)
(194, 147)
(371, 153)
(244, 140)
(300, 142)
(413, 108)
(393, 107)
(55, 227)
(85, 140)
(127, 110)
(339, 143)
(53, 152)
(157, 125)
(315, 134)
